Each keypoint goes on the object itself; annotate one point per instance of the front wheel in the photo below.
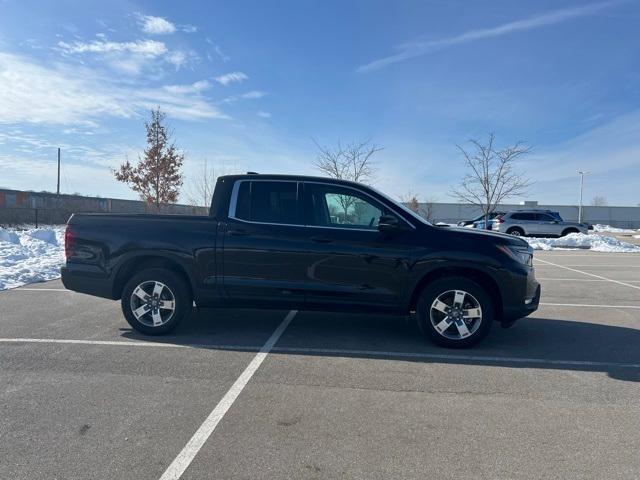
(155, 301)
(455, 312)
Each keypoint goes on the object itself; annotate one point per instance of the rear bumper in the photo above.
(87, 279)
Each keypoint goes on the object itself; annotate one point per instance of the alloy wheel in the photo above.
(152, 303)
(455, 314)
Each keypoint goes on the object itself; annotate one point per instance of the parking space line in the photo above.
(447, 356)
(603, 265)
(549, 279)
(637, 307)
(637, 287)
(24, 289)
(193, 446)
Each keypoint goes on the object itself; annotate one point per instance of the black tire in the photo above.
(174, 289)
(429, 317)
(567, 231)
(516, 232)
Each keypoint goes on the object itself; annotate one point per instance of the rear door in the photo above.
(547, 224)
(527, 221)
(263, 241)
(349, 262)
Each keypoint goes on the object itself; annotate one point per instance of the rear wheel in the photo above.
(567, 231)
(516, 232)
(455, 312)
(155, 301)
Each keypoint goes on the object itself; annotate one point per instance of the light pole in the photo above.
(582, 174)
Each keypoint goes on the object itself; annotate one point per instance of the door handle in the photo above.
(321, 239)
(238, 232)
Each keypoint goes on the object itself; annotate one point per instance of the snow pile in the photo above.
(33, 255)
(597, 243)
(610, 229)
(8, 236)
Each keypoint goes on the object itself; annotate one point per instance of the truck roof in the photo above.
(279, 176)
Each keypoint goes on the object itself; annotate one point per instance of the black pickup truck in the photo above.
(283, 241)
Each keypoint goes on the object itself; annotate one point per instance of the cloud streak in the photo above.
(232, 77)
(419, 48)
(71, 95)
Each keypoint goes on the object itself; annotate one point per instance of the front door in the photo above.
(349, 262)
(263, 241)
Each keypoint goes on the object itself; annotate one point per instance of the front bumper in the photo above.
(525, 301)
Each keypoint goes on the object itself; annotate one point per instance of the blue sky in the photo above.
(249, 85)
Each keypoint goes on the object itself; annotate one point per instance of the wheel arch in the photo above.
(142, 262)
(482, 278)
(569, 230)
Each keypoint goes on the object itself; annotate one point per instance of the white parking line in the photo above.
(25, 289)
(548, 279)
(332, 351)
(637, 287)
(193, 446)
(447, 356)
(637, 307)
(604, 265)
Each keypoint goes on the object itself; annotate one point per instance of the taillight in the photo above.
(68, 241)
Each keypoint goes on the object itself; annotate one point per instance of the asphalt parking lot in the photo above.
(277, 394)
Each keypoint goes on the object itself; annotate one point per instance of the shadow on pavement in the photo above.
(532, 343)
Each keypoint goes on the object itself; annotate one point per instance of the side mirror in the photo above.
(390, 223)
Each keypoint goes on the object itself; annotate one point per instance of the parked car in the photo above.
(536, 223)
(479, 218)
(283, 241)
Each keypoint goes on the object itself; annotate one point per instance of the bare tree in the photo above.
(425, 209)
(599, 201)
(157, 176)
(351, 162)
(492, 177)
(200, 187)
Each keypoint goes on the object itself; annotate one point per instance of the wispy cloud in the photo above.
(150, 48)
(233, 77)
(156, 25)
(72, 95)
(419, 47)
(189, 28)
(253, 94)
(129, 57)
(264, 114)
(223, 56)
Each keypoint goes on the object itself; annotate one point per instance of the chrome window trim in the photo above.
(233, 203)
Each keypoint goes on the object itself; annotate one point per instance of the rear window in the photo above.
(267, 202)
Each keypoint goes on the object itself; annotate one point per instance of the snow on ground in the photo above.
(608, 228)
(596, 243)
(31, 255)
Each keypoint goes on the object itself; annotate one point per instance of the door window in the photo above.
(267, 202)
(339, 207)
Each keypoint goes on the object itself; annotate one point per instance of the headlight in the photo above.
(523, 255)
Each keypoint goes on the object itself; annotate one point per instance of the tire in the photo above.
(516, 232)
(171, 288)
(568, 231)
(431, 317)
